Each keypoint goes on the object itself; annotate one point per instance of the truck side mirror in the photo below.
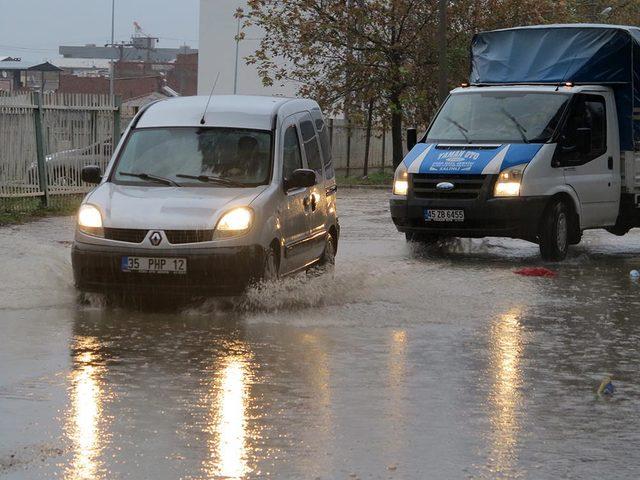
(412, 138)
(301, 178)
(583, 140)
(91, 174)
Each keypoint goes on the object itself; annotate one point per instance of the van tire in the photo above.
(554, 232)
(328, 257)
(270, 267)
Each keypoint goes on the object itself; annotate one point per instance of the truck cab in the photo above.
(537, 161)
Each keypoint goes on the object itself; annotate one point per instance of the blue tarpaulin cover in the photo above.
(579, 53)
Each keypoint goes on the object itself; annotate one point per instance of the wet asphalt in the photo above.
(406, 363)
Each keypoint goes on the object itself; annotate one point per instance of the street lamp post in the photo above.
(111, 66)
(235, 73)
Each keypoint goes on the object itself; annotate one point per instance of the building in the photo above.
(84, 67)
(34, 76)
(138, 49)
(217, 48)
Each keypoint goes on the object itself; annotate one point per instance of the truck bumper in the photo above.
(215, 271)
(495, 217)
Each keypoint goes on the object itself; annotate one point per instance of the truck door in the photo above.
(593, 172)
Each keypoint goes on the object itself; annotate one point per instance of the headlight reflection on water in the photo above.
(506, 344)
(84, 422)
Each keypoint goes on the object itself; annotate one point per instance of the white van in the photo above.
(206, 198)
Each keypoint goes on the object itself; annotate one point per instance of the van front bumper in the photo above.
(517, 217)
(210, 271)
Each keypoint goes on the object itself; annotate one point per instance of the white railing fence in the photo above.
(45, 140)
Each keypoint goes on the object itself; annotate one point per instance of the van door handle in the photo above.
(570, 169)
(610, 163)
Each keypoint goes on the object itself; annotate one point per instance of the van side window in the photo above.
(325, 145)
(311, 145)
(291, 156)
(587, 112)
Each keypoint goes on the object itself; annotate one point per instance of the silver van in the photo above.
(206, 197)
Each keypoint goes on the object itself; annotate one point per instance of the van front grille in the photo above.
(188, 236)
(465, 187)
(125, 234)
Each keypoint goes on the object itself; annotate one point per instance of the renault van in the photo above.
(207, 195)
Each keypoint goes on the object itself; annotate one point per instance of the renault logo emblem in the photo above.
(155, 239)
(445, 186)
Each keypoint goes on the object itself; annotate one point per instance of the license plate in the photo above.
(154, 265)
(435, 215)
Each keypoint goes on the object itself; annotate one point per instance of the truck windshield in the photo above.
(210, 157)
(499, 117)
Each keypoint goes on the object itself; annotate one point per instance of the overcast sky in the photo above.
(33, 29)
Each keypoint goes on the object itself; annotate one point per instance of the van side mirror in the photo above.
(583, 140)
(91, 174)
(412, 138)
(301, 178)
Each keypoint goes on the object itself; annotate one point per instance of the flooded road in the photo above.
(406, 363)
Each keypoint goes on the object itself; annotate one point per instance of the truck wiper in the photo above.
(210, 178)
(518, 125)
(463, 130)
(153, 178)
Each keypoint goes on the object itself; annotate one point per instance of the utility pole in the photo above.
(235, 74)
(443, 87)
(111, 66)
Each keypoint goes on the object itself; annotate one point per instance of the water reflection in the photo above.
(505, 399)
(228, 419)
(84, 423)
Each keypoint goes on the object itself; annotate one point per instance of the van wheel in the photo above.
(329, 255)
(270, 270)
(554, 232)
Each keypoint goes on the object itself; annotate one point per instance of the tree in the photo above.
(344, 53)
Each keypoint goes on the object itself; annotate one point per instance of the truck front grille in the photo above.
(125, 234)
(466, 187)
(188, 236)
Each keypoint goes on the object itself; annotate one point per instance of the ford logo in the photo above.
(445, 186)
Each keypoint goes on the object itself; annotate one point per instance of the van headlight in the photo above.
(234, 222)
(401, 180)
(509, 180)
(90, 220)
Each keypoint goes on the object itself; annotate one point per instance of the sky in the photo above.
(33, 29)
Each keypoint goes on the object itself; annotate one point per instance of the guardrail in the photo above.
(46, 139)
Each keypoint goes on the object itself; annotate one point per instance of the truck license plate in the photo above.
(154, 265)
(436, 215)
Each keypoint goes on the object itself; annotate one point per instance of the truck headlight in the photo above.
(401, 180)
(90, 220)
(509, 180)
(234, 222)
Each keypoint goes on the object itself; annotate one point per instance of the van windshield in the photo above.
(504, 117)
(210, 157)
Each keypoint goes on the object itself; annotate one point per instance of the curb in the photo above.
(365, 187)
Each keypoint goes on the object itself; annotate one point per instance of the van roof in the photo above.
(240, 111)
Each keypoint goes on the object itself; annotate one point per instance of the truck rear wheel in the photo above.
(424, 238)
(554, 232)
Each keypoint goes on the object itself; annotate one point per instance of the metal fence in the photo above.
(348, 148)
(45, 140)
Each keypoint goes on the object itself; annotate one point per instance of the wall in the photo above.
(217, 52)
(126, 88)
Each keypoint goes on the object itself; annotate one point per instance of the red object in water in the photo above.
(537, 272)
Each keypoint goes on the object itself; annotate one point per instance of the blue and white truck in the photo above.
(542, 144)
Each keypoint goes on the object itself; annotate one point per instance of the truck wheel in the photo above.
(424, 238)
(554, 232)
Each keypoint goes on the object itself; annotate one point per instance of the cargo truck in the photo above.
(542, 143)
